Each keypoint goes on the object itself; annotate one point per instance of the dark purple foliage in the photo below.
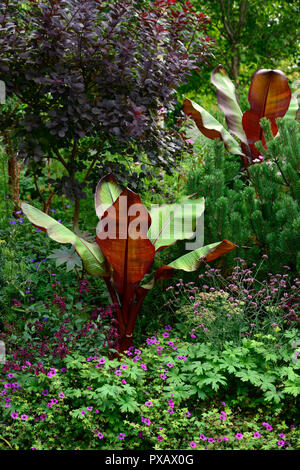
(98, 70)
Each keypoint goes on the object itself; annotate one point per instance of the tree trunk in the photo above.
(125, 342)
(76, 214)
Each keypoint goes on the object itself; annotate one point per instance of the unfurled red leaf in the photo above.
(90, 253)
(122, 236)
(191, 261)
(210, 127)
(269, 96)
(174, 222)
(228, 103)
(107, 192)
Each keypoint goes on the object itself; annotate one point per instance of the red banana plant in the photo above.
(126, 244)
(269, 96)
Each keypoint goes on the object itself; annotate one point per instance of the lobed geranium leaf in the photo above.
(66, 255)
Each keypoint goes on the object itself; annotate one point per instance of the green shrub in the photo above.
(261, 215)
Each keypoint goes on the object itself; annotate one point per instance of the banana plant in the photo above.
(269, 96)
(127, 239)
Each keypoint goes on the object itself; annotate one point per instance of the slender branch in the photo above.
(60, 158)
(38, 189)
(93, 162)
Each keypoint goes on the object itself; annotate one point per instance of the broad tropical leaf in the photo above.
(90, 253)
(210, 127)
(269, 96)
(191, 261)
(228, 103)
(122, 236)
(107, 192)
(174, 222)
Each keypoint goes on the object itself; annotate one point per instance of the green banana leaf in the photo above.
(107, 192)
(210, 127)
(228, 103)
(174, 222)
(90, 253)
(192, 260)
